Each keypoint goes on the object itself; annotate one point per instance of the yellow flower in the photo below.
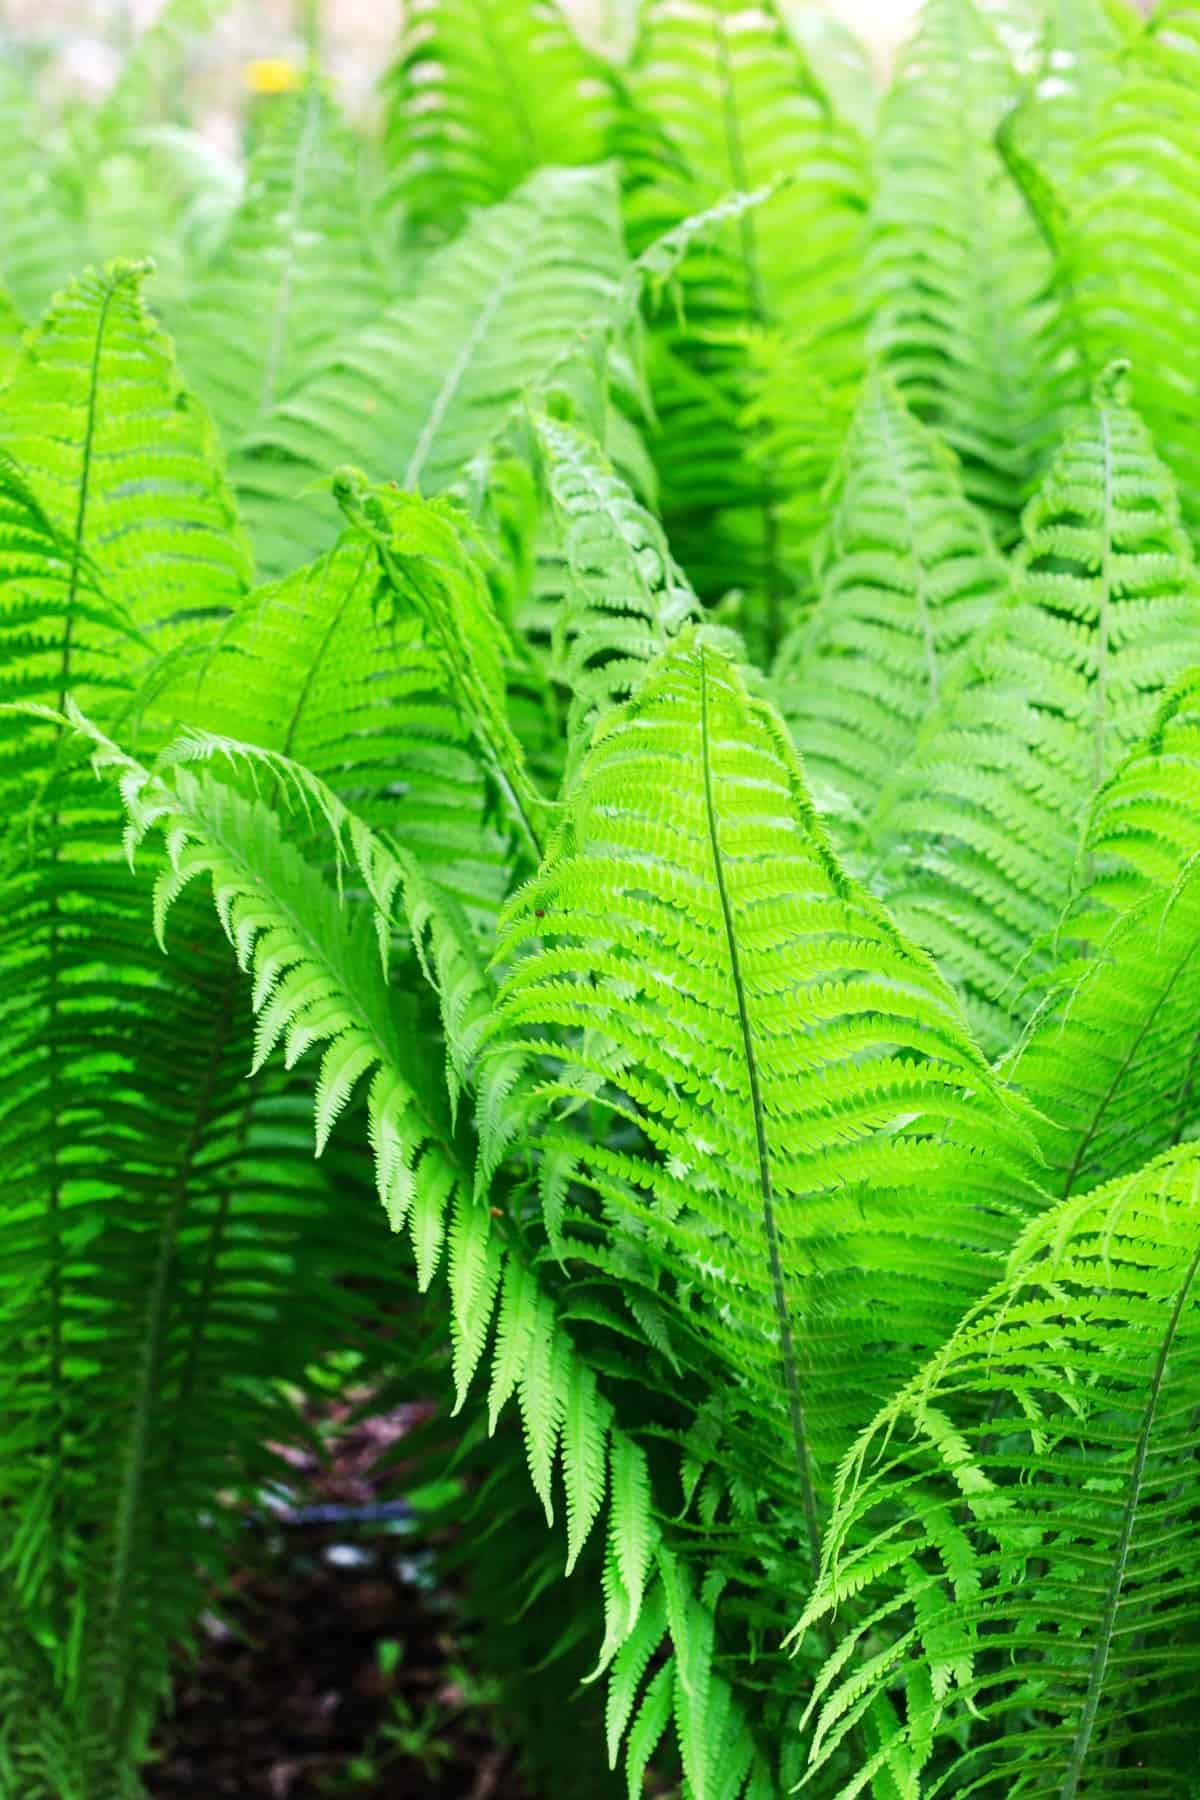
(271, 75)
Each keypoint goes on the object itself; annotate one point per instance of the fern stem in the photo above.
(1095, 1687)
(787, 1353)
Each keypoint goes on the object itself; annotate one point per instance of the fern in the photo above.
(121, 458)
(690, 960)
(910, 577)
(962, 288)
(418, 393)
(724, 101)
(1132, 267)
(978, 835)
(296, 275)
(318, 981)
(729, 1077)
(1026, 1579)
(479, 97)
(1110, 1058)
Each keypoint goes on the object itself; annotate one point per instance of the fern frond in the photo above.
(319, 983)
(296, 277)
(908, 576)
(964, 312)
(625, 595)
(724, 102)
(775, 1077)
(1132, 263)
(1111, 1059)
(121, 459)
(330, 669)
(1014, 1532)
(418, 393)
(978, 836)
(484, 92)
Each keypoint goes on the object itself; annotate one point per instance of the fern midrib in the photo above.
(452, 380)
(1163, 995)
(317, 661)
(1100, 686)
(915, 560)
(787, 1354)
(1092, 1698)
(281, 312)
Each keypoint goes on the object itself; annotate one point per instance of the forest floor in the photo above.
(337, 1666)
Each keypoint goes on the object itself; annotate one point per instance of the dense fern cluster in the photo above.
(634, 631)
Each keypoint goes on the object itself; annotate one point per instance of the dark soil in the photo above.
(337, 1665)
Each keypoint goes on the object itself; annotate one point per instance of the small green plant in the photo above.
(664, 717)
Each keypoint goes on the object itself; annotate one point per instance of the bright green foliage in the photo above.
(625, 595)
(120, 457)
(692, 1081)
(1014, 1531)
(786, 1038)
(725, 102)
(482, 93)
(296, 274)
(978, 834)
(909, 575)
(421, 390)
(1132, 268)
(961, 283)
(1111, 1060)
(41, 240)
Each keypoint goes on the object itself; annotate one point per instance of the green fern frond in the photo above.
(625, 595)
(121, 458)
(318, 982)
(724, 101)
(297, 275)
(961, 285)
(429, 571)
(1111, 1059)
(773, 1076)
(331, 670)
(1014, 1533)
(1132, 266)
(482, 93)
(978, 836)
(420, 392)
(908, 576)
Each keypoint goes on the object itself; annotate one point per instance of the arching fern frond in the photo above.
(296, 276)
(961, 284)
(121, 458)
(1015, 1531)
(776, 1080)
(908, 576)
(978, 835)
(1111, 1059)
(417, 394)
(319, 982)
(482, 93)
